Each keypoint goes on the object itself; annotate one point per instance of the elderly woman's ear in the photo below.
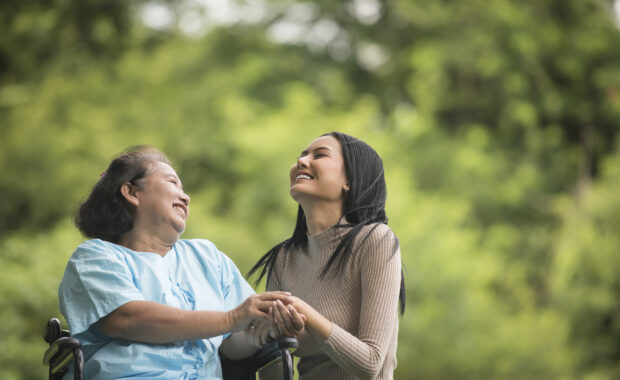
(129, 192)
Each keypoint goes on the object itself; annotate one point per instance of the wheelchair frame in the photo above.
(64, 349)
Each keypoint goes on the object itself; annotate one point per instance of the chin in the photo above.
(180, 230)
(296, 195)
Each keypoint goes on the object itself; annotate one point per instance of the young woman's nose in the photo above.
(302, 162)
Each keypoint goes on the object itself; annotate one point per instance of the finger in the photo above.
(287, 317)
(257, 313)
(249, 329)
(273, 328)
(264, 304)
(264, 333)
(261, 327)
(281, 317)
(251, 333)
(258, 334)
(276, 295)
(297, 321)
(297, 318)
(277, 319)
(259, 307)
(256, 339)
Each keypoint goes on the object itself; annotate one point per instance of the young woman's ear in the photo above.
(130, 194)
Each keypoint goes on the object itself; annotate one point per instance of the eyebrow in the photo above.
(170, 175)
(305, 151)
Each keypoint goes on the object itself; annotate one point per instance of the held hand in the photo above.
(254, 307)
(257, 332)
(316, 324)
(286, 320)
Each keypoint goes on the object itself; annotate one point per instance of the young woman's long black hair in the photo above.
(364, 205)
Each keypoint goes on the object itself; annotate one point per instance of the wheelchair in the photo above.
(64, 350)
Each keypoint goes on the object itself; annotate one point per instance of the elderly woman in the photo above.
(142, 302)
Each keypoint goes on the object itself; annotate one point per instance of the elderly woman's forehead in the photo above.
(163, 168)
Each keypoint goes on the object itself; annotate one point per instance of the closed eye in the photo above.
(175, 182)
(321, 151)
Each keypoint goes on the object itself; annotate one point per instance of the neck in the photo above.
(142, 242)
(321, 216)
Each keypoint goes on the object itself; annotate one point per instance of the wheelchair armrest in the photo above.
(60, 353)
(247, 368)
(273, 351)
(62, 349)
(53, 331)
(282, 348)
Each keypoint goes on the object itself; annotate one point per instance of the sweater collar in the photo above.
(327, 239)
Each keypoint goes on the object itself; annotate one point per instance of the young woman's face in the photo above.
(319, 172)
(162, 202)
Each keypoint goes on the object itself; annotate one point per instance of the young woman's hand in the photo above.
(254, 307)
(315, 324)
(286, 320)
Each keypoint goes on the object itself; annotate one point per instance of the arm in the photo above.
(380, 269)
(363, 354)
(150, 322)
(237, 346)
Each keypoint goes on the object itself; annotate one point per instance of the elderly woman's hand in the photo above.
(258, 331)
(255, 307)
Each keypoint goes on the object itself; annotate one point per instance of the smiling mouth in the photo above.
(302, 176)
(179, 209)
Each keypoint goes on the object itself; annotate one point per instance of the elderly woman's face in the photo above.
(163, 205)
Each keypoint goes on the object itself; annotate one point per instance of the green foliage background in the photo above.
(497, 122)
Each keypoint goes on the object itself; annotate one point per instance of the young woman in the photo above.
(142, 302)
(342, 264)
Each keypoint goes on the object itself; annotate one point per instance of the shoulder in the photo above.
(198, 245)
(93, 257)
(95, 248)
(94, 245)
(376, 235)
(379, 229)
(203, 250)
(376, 241)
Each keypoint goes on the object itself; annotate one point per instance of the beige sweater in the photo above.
(361, 302)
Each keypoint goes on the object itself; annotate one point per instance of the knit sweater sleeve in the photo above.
(379, 267)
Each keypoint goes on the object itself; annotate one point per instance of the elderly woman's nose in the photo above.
(185, 198)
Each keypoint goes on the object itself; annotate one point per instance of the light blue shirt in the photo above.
(102, 276)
